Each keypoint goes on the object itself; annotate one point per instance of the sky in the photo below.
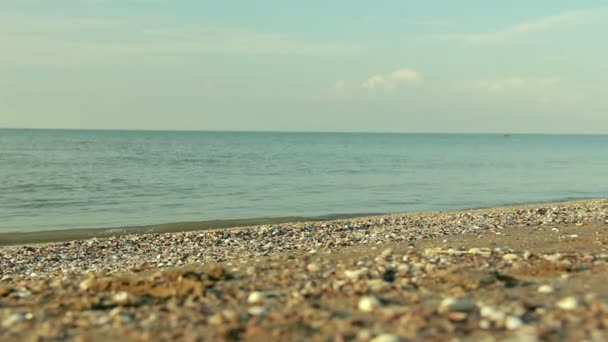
(317, 65)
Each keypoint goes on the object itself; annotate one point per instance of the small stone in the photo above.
(403, 269)
(568, 303)
(510, 257)
(122, 298)
(313, 268)
(216, 319)
(513, 322)
(552, 257)
(526, 335)
(229, 315)
(377, 285)
(257, 310)
(368, 304)
(386, 253)
(485, 324)
(457, 316)
(12, 319)
(456, 305)
(312, 252)
(590, 297)
(386, 338)
(545, 289)
(87, 283)
(492, 314)
(364, 335)
(484, 252)
(22, 293)
(355, 274)
(256, 297)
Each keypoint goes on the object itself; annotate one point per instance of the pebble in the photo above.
(510, 257)
(386, 338)
(457, 305)
(257, 310)
(87, 284)
(355, 274)
(552, 257)
(512, 323)
(485, 324)
(12, 319)
(457, 316)
(568, 303)
(256, 297)
(368, 304)
(525, 336)
(492, 314)
(545, 289)
(364, 335)
(313, 268)
(216, 319)
(386, 253)
(403, 269)
(122, 298)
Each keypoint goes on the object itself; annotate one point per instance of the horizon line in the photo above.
(291, 131)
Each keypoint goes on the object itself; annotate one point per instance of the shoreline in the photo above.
(71, 234)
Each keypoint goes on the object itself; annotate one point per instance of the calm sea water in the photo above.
(56, 179)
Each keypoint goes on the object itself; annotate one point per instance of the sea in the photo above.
(64, 179)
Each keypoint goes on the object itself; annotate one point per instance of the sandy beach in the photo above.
(522, 273)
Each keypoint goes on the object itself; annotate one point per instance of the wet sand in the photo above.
(526, 273)
(15, 238)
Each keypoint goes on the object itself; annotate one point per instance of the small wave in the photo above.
(21, 187)
(33, 187)
(402, 202)
(42, 204)
(198, 161)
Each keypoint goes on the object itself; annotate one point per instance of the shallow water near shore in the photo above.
(68, 179)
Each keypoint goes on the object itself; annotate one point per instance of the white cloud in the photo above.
(545, 90)
(69, 41)
(245, 41)
(516, 83)
(522, 28)
(340, 84)
(391, 80)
